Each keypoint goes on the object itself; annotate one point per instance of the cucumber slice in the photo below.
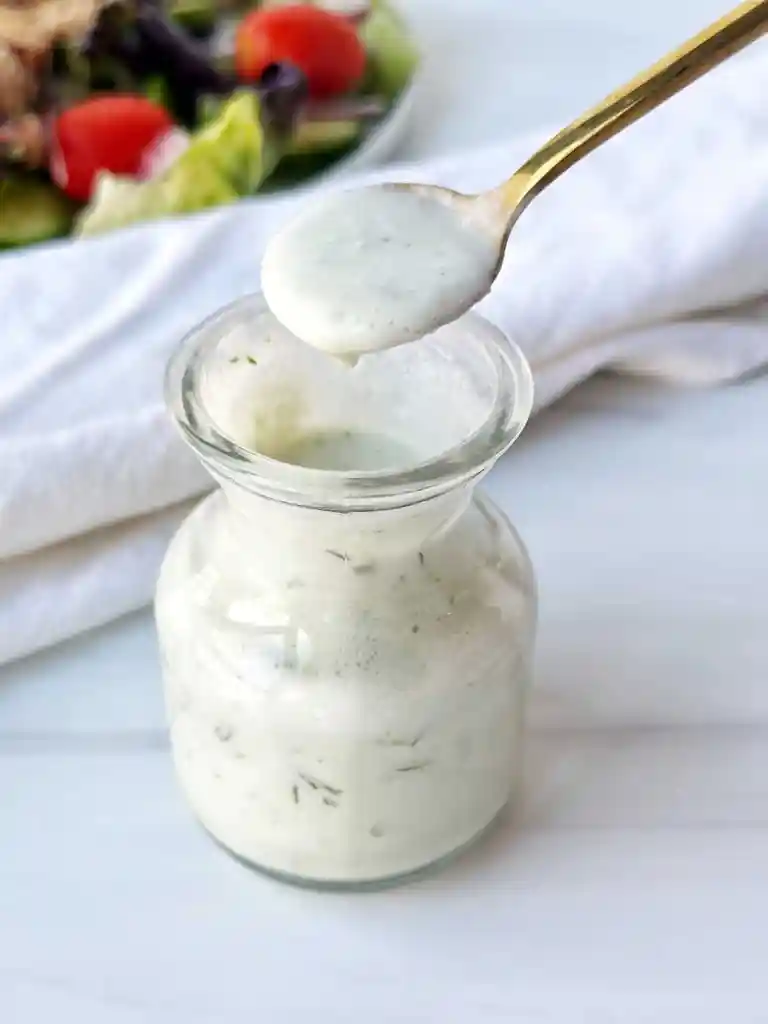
(392, 53)
(323, 137)
(32, 211)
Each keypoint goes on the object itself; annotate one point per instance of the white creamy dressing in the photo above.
(271, 393)
(346, 693)
(347, 450)
(372, 268)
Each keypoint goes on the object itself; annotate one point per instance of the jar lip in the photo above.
(345, 490)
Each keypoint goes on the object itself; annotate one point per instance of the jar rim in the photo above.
(346, 490)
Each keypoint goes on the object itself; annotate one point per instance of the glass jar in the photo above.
(346, 625)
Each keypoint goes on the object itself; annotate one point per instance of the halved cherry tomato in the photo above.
(105, 133)
(324, 45)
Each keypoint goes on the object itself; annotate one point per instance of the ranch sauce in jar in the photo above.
(347, 625)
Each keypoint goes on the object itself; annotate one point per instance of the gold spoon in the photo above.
(336, 282)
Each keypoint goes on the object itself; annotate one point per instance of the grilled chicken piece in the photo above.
(34, 25)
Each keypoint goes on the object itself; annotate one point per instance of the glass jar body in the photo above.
(346, 690)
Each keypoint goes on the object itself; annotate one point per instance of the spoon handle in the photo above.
(632, 101)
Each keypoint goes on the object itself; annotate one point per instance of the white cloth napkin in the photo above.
(651, 256)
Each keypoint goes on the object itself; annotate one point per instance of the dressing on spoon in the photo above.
(375, 267)
(369, 269)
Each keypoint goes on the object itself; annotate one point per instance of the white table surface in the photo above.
(632, 882)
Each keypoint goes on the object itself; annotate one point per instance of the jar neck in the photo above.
(353, 537)
(242, 388)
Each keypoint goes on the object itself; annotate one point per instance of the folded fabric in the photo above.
(649, 257)
(66, 588)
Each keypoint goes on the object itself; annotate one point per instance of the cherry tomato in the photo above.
(324, 45)
(105, 133)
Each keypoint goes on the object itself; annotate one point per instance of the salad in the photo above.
(116, 111)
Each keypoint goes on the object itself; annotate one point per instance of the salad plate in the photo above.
(119, 111)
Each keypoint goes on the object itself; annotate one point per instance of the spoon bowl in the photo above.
(375, 267)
